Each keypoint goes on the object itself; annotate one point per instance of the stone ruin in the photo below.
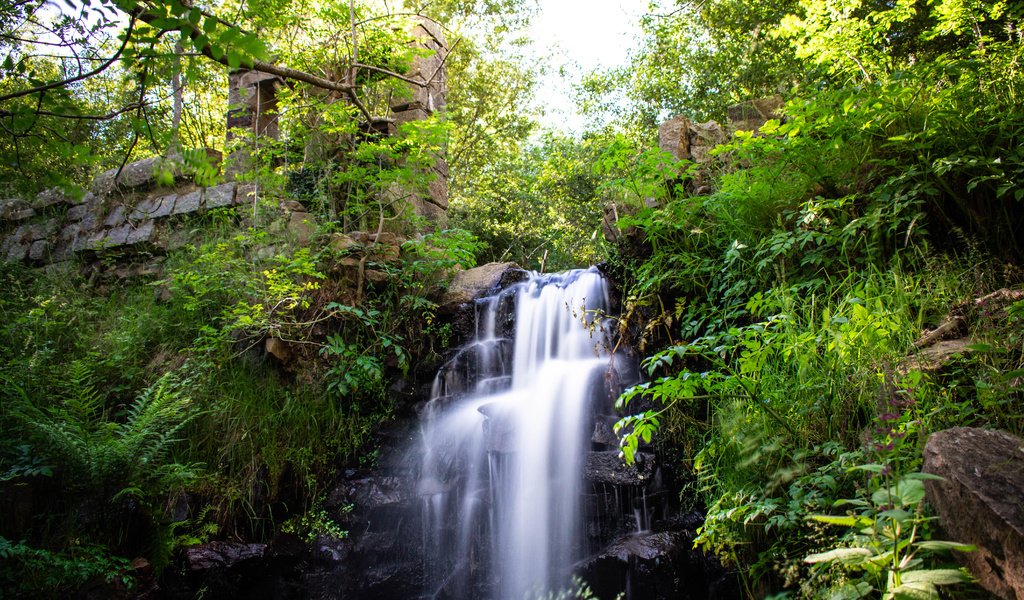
(127, 208)
(685, 139)
(119, 211)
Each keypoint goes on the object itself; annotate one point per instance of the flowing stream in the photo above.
(504, 439)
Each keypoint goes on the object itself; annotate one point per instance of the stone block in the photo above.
(50, 197)
(246, 193)
(441, 167)
(15, 209)
(78, 212)
(38, 250)
(219, 196)
(17, 252)
(60, 252)
(7, 243)
(115, 217)
(187, 203)
(752, 114)
(291, 206)
(142, 233)
(164, 207)
(411, 114)
(117, 236)
(70, 232)
(152, 208)
(343, 243)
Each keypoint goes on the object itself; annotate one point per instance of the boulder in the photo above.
(674, 137)
(478, 282)
(979, 502)
(221, 555)
(302, 226)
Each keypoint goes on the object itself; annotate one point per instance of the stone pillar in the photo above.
(252, 106)
(421, 102)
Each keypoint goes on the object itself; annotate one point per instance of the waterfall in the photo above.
(504, 438)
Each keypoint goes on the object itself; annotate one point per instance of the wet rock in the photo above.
(220, 555)
(374, 492)
(656, 565)
(476, 283)
(979, 502)
(607, 467)
(604, 431)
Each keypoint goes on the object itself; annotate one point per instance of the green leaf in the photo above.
(852, 591)
(209, 25)
(165, 23)
(913, 591)
(846, 556)
(934, 576)
(850, 521)
(940, 545)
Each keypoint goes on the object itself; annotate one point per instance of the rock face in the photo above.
(475, 283)
(981, 502)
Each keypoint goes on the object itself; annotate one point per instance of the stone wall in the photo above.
(120, 211)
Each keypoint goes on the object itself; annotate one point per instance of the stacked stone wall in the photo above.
(123, 209)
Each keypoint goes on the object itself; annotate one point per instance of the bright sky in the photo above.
(583, 35)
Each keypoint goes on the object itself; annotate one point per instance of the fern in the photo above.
(95, 454)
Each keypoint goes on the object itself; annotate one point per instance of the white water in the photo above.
(504, 440)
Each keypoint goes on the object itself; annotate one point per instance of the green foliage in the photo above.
(30, 570)
(316, 523)
(96, 456)
(540, 208)
(889, 541)
(797, 280)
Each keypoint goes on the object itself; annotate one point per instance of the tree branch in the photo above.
(80, 76)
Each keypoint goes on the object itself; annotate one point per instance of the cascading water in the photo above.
(504, 440)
